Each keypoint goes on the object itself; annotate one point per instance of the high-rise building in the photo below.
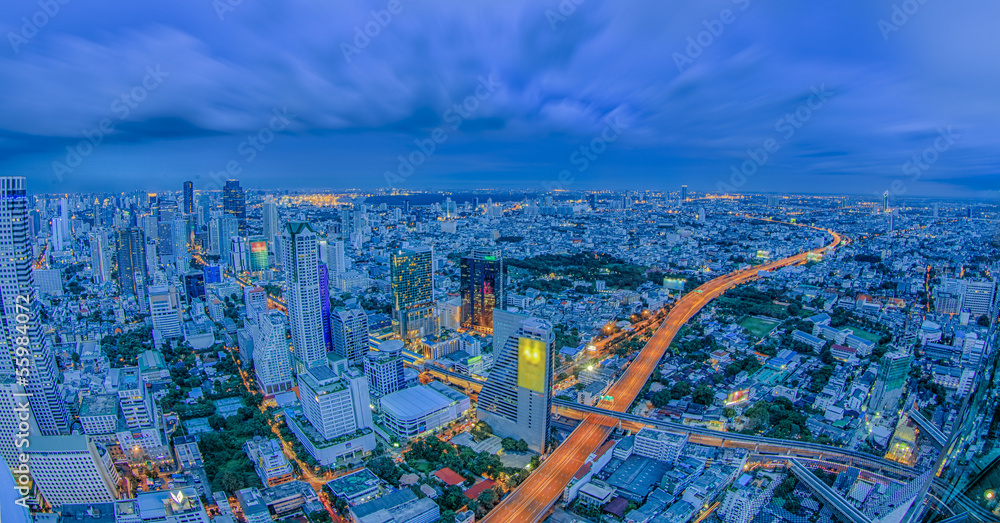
(270, 219)
(980, 297)
(483, 276)
(592, 201)
(131, 258)
(234, 202)
(335, 404)
(516, 399)
(25, 350)
(228, 227)
(413, 292)
(337, 260)
(891, 377)
(885, 201)
(14, 407)
(301, 263)
(684, 193)
(271, 360)
(349, 330)
(384, 368)
(164, 307)
(188, 207)
(72, 469)
(100, 256)
(324, 303)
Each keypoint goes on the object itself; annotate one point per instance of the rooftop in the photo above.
(354, 484)
(415, 402)
(99, 405)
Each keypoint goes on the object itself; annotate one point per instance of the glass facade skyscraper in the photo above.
(482, 283)
(413, 292)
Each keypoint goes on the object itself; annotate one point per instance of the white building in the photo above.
(171, 506)
(305, 315)
(659, 445)
(164, 307)
(416, 411)
(384, 368)
(269, 461)
(272, 361)
(72, 469)
(349, 333)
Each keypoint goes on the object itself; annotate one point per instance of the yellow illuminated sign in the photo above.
(531, 364)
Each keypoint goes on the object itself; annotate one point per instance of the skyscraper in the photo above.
(335, 404)
(516, 399)
(36, 368)
(301, 263)
(228, 227)
(893, 370)
(234, 202)
(324, 304)
(350, 335)
(188, 200)
(384, 368)
(164, 307)
(271, 361)
(258, 253)
(131, 260)
(100, 257)
(684, 193)
(413, 292)
(72, 469)
(482, 285)
(270, 218)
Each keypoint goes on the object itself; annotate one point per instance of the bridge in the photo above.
(829, 496)
(929, 428)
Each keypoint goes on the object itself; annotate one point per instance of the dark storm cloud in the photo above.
(697, 83)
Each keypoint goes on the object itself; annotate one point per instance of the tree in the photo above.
(508, 443)
(703, 395)
(217, 422)
(384, 468)
(522, 446)
(320, 516)
(481, 431)
(983, 321)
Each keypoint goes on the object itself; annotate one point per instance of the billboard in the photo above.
(676, 284)
(531, 364)
(258, 246)
(738, 396)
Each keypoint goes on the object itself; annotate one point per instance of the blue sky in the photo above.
(578, 94)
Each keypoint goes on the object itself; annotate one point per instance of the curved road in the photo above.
(533, 498)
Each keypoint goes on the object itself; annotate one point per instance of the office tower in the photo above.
(25, 349)
(517, 397)
(72, 469)
(891, 377)
(204, 209)
(166, 208)
(885, 201)
(100, 257)
(324, 303)
(270, 218)
(164, 307)
(213, 274)
(980, 297)
(194, 285)
(271, 360)
(337, 260)
(892, 223)
(254, 299)
(234, 202)
(350, 334)
(269, 461)
(406, 206)
(14, 406)
(684, 193)
(228, 229)
(937, 210)
(384, 368)
(214, 238)
(592, 201)
(335, 404)
(188, 200)
(302, 293)
(239, 257)
(413, 292)
(138, 410)
(482, 285)
(131, 258)
(165, 237)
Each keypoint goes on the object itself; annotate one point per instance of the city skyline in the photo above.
(850, 94)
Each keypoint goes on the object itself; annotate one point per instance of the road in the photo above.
(531, 501)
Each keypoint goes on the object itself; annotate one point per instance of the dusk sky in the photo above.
(658, 94)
